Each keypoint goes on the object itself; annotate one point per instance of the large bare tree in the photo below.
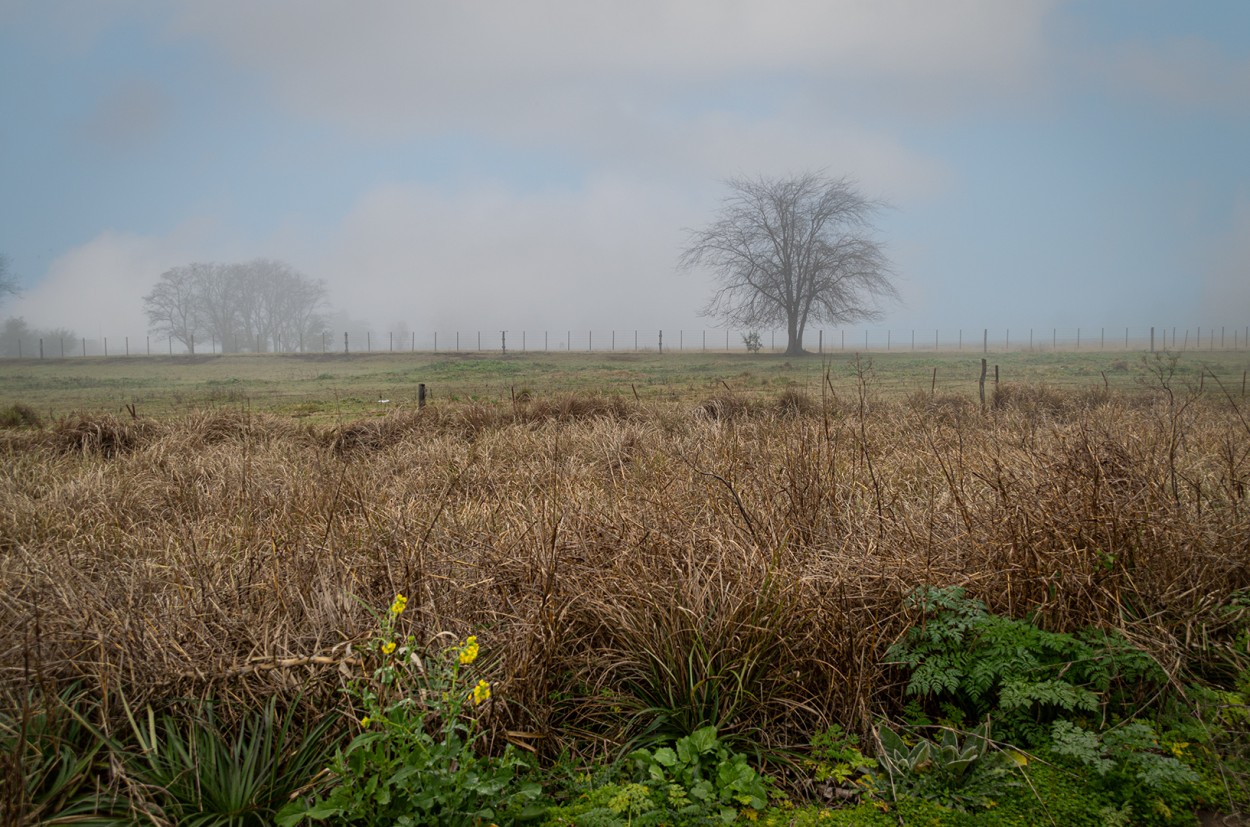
(792, 251)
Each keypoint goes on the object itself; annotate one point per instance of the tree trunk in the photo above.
(794, 336)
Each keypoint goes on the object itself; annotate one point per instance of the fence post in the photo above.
(503, 342)
(63, 348)
(981, 383)
(345, 349)
(1152, 339)
(661, 341)
(820, 347)
(41, 348)
(1007, 341)
(420, 394)
(106, 345)
(985, 340)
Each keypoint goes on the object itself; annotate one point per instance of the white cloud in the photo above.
(97, 288)
(492, 259)
(399, 68)
(1226, 283)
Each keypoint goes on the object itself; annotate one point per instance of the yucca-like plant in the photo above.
(193, 771)
(51, 762)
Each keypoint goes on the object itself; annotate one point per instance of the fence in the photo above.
(638, 340)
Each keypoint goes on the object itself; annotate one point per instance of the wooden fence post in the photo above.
(981, 383)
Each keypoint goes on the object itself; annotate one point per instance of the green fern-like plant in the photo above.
(1128, 764)
(976, 664)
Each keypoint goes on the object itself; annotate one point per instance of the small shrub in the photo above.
(751, 341)
(18, 415)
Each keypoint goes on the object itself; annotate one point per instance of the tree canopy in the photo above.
(262, 305)
(792, 251)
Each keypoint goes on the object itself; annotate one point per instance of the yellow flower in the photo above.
(365, 721)
(481, 692)
(1178, 748)
(399, 605)
(468, 652)
(388, 647)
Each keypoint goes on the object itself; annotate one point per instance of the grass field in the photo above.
(340, 387)
(642, 544)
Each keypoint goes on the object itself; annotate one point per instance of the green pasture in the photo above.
(341, 385)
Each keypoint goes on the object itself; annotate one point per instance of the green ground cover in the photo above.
(347, 386)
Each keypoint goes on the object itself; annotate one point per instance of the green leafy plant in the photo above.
(700, 775)
(836, 758)
(1128, 762)
(415, 762)
(962, 775)
(1024, 677)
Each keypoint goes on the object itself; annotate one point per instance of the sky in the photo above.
(505, 165)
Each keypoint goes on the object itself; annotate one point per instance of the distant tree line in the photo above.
(17, 338)
(258, 306)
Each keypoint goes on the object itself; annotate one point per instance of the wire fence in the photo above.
(639, 340)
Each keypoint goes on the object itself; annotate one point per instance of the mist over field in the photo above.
(491, 167)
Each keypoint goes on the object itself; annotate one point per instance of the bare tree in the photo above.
(173, 308)
(792, 251)
(262, 305)
(8, 282)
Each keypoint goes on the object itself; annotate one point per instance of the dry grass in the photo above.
(623, 564)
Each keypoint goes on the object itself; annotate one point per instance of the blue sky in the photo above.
(492, 165)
